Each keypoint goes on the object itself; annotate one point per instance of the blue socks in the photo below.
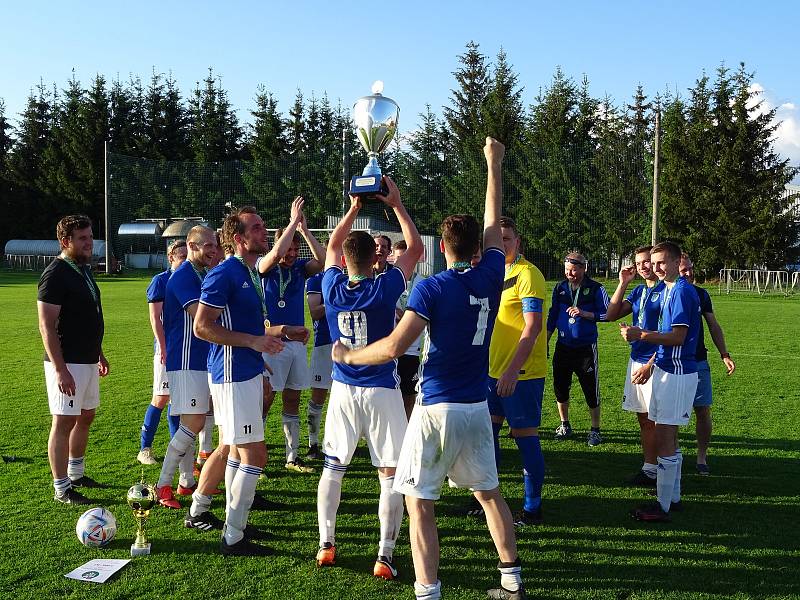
(150, 425)
(496, 427)
(174, 422)
(533, 470)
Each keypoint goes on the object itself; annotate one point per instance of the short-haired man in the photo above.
(644, 303)
(450, 431)
(703, 397)
(673, 369)
(517, 368)
(71, 324)
(232, 315)
(408, 364)
(383, 248)
(284, 278)
(176, 254)
(365, 401)
(578, 304)
(321, 364)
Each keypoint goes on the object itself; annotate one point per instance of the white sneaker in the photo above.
(146, 457)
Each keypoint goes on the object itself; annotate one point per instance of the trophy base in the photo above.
(367, 186)
(140, 551)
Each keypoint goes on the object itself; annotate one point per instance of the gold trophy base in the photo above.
(144, 550)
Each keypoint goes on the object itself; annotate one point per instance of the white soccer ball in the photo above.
(96, 527)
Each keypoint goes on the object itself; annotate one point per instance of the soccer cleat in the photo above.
(251, 532)
(526, 518)
(502, 593)
(642, 479)
(326, 555)
(166, 497)
(594, 439)
(563, 432)
(262, 503)
(243, 547)
(650, 513)
(87, 482)
(298, 466)
(72, 496)
(205, 521)
(384, 569)
(474, 509)
(702, 469)
(184, 490)
(314, 453)
(146, 457)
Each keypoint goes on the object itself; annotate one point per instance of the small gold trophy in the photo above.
(141, 498)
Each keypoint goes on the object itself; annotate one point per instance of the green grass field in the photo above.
(738, 536)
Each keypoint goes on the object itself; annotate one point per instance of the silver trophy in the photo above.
(375, 118)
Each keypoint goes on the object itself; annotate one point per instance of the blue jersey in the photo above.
(230, 287)
(155, 293)
(185, 351)
(681, 307)
(322, 334)
(460, 307)
(591, 297)
(359, 315)
(294, 279)
(646, 305)
(701, 354)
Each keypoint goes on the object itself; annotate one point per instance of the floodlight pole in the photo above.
(107, 210)
(656, 151)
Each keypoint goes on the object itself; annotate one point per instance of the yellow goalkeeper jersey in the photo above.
(523, 280)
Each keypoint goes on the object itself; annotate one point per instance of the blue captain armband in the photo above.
(532, 305)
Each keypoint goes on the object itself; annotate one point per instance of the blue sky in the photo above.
(341, 47)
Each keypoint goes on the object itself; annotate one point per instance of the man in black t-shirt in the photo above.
(71, 324)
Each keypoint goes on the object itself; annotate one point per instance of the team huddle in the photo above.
(425, 371)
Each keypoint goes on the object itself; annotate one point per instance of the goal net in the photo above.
(756, 281)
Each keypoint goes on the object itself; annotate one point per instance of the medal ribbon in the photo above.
(643, 302)
(663, 306)
(82, 272)
(281, 285)
(461, 265)
(256, 284)
(200, 274)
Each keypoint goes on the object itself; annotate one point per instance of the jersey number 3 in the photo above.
(483, 319)
(353, 327)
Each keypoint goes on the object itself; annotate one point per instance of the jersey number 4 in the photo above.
(353, 327)
(483, 319)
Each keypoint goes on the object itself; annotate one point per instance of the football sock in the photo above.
(62, 485)
(75, 467)
(200, 504)
(231, 468)
(173, 421)
(314, 418)
(650, 470)
(176, 450)
(428, 591)
(206, 436)
(152, 416)
(390, 516)
(291, 431)
(243, 490)
(510, 575)
(665, 482)
(186, 467)
(533, 470)
(329, 495)
(496, 427)
(676, 490)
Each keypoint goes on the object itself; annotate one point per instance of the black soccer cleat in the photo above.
(72, 496)
(525, 518)
(87, 482)
(502, 593)
(314, 453)
(642, 479)
(243, 547)
(205, 521)
(650, 513)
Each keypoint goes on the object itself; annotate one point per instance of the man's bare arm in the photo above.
(494, 151)
(408, 329)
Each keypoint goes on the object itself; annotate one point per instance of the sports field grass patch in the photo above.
(736, 538)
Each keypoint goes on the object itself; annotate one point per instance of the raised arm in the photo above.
(408, 261)
(333, 254)
(282, 244)
(493, 151)
(617, 307)
(315, 265)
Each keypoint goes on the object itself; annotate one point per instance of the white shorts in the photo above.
(160, 378)
(190, 393)
(289, 367)
(672, 398)
(87, 389)
(447, 440)
(321, 367)
(376, 414)
(239, 409)
(636, 398)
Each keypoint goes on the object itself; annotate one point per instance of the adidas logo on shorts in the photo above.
(410, 481)
(686, 415)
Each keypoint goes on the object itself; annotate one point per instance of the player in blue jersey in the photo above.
(673, 369)
(365, 401)
(232, 316)
(450, 431)
(176, 254)
(284, 276)
(578, 304)
(703, 397)
(644, 304)
(187, 362)
(321, 363)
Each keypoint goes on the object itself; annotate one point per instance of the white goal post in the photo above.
(756, 281)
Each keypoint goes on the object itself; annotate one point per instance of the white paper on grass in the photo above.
(98, 570)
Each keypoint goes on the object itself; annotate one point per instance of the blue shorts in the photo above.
(703, 395)
(523, 408)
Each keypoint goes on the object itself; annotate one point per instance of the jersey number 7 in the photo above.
(483, 319)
